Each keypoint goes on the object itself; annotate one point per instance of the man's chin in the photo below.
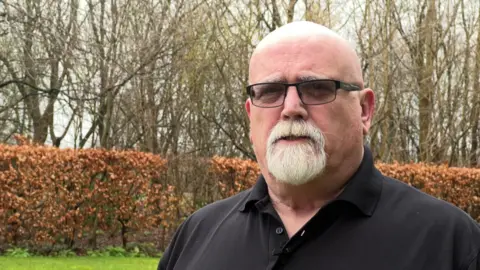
(296, 182)
(292, 169)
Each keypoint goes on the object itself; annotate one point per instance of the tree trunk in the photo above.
(425, 80)
(475, 116)
(92, 241)
(291, 10)
(387, 127)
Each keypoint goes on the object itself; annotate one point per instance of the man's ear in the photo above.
(248, 105)
(367, 102)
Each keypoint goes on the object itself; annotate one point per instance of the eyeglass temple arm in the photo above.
(349, 86)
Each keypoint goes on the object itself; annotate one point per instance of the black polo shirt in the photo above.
(376, 223)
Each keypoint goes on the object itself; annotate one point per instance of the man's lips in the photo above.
(293, 138)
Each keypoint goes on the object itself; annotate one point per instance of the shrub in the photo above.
(54, 199)
(66, 253)
(50, 196)
(17, 253)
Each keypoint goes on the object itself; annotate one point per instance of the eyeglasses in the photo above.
(315, 92)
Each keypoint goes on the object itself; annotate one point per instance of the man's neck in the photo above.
(296, 205)
(308, 197)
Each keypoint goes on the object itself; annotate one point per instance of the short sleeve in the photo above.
(170, 256)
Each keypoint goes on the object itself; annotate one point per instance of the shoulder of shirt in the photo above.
(419, 200)
(215, 211)
(196, 226)
(433, 213)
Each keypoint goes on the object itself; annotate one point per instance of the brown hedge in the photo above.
(65, 197)
(52, 196)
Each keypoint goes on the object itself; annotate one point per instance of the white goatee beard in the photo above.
(298, 163)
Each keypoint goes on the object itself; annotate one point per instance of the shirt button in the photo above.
(279, 230)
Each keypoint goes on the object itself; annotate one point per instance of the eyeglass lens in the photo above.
(272, 94)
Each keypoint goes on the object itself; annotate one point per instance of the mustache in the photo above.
(286, 129)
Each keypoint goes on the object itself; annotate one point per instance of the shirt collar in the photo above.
(362, 190)
(258, 192)
(365, 187)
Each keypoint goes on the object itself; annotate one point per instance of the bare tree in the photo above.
(46, 37)
(169, 77)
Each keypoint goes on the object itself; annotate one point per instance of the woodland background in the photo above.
(166, 78)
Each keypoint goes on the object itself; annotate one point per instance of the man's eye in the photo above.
(317, 93)
(267, 91)
(320, 86)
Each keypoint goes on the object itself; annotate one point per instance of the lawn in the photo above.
(78, 263)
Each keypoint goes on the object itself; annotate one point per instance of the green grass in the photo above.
(78, 263)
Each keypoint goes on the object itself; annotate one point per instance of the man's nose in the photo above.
(293, 108)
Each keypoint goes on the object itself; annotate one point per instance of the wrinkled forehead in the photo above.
(326, 55)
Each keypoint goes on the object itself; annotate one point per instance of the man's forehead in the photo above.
(296, 60)
(305, 38)
(281, 78)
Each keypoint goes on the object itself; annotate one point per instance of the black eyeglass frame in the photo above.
(338, 85)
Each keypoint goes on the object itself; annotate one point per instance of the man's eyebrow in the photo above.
(303, 78)
(276, 79)
(310, 78)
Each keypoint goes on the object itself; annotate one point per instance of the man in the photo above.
(319, 203)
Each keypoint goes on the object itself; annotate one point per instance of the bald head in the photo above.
(322, 38)
(296, 30)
